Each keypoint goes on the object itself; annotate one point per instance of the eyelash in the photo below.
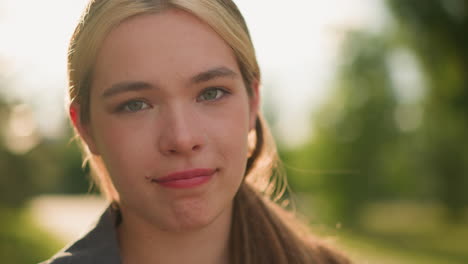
(122, 107)
(222, 90)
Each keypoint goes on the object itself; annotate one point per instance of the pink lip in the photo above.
(186, 178)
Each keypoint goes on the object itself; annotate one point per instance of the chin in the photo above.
(187, 224)
(190, 215)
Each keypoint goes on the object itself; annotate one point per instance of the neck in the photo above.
(142, 242)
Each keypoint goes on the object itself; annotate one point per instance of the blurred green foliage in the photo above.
(52, 166)
(436, 32)
(395, 126)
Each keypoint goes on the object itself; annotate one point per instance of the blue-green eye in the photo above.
(133, 106)
(211, 94)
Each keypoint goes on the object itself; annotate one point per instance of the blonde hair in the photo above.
(259, 231)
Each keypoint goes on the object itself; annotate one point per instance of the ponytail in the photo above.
(262, 232)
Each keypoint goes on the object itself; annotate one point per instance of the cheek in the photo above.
(230, 131)
(123, 145)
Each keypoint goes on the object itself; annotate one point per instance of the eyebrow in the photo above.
(205, 76)
(126, 87)
(214, 73)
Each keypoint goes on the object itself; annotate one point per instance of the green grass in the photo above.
(21, 241)
(373, 249)
(401, 233)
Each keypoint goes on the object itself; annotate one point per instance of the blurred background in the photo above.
(368, 100)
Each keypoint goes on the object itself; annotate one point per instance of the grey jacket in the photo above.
(99, 246)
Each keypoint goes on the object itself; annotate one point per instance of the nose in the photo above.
(181, 132)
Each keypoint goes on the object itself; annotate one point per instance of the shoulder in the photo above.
(65, 258)
(80, 253)
(58, 260)
(98, 246)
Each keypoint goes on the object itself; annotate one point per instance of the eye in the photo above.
(212, 94)
(133, 106)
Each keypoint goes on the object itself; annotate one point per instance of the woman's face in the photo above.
(170, 117)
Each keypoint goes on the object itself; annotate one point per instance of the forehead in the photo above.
(164, 46)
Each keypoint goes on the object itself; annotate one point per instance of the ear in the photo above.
(84, 130)
(254, 103)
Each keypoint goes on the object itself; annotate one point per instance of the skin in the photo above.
(173, 123)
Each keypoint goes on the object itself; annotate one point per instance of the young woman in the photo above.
(165, 98)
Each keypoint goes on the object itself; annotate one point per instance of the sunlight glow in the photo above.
(296, 43)
(21, 133)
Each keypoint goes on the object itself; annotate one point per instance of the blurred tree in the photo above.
(51, 166)
(436, 31)
(371, 142)
(14, 174)
(353, 130)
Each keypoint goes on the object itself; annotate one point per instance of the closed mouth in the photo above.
(185, 175)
